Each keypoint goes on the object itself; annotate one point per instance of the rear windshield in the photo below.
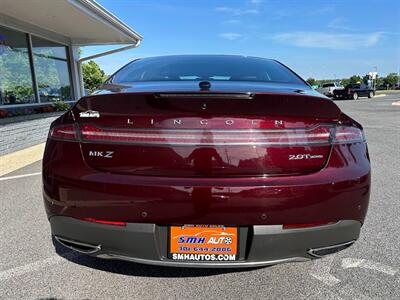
(328, 85)
(210, 68)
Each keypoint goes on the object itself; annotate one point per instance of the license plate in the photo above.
(203, 243)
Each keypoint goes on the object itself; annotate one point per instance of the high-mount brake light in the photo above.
(63, 132)
(209, 137)
(348, 134)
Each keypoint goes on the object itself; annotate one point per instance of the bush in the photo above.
(44, 109)
(56, 106)
(61, 106)
(3, 113)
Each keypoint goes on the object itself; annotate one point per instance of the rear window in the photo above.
(328, 85)
(210, 68)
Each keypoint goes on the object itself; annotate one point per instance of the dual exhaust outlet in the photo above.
(81, 247)
(323, 251)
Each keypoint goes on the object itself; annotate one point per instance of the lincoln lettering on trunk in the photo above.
(203, 122)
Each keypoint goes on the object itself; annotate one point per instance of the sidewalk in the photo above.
(16, 160)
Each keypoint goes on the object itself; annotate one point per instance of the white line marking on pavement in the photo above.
(367, 264)
(321, 271)
(20, 176)
(36, 266)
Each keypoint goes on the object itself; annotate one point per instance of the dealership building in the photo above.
(39, 42)
(39, 53)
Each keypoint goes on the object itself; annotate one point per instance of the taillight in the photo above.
(63, 132)
(204, 137)
(348, 134)
(323, 134)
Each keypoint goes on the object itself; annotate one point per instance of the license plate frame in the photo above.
(213, 243)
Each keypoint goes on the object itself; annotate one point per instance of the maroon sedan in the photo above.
(206, 161)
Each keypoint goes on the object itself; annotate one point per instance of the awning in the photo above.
(82, 22)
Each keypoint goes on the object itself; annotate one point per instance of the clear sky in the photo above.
(321, 39)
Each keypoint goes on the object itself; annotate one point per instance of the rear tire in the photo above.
(355, 96)
(371, 95)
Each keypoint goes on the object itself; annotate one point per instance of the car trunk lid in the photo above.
(205, 134)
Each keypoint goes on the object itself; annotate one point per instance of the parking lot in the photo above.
(30, 268)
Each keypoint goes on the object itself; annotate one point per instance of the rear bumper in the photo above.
(259, 245)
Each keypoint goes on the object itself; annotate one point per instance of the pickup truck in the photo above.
(328, 88)
(354, 91)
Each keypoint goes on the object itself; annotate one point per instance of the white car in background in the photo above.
(328, 88)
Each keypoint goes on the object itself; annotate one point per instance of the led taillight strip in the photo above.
(205, 137)
(323, 134)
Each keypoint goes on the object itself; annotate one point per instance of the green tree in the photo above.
(93, 76)
(379, 80)
(345, 81)
(312, 81)
(391, 79)
(355, 79)
(365, 79)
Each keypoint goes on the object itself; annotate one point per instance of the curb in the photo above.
(379, 95)
(19, 159)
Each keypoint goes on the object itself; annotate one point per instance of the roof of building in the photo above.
(81, 22)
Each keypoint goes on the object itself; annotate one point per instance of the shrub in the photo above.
(61, 106)
(3, 113)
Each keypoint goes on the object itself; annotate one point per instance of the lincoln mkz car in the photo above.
(206, 161)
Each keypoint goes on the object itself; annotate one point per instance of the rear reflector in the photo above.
(106, 222)
(63, 132)
(204, 137)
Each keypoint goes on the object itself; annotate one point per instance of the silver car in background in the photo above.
(328, 88)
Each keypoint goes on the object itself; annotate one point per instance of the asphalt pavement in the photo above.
(30, 268)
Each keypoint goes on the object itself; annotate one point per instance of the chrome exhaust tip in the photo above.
(78, 246)
(323, 251)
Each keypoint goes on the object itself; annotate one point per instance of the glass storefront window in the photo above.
(15, 73)
(51, 68)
